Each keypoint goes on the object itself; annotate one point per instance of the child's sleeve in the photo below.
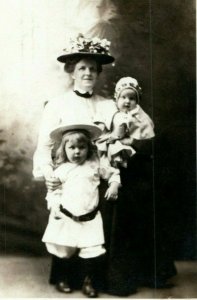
(54, 197)
(107, 172)
(115, 176)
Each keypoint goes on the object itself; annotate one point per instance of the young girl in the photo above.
(75, 223)
(129, 122)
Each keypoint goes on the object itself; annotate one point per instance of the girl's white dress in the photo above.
(79, 195)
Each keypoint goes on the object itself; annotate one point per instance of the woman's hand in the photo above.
(52, 183)
(112, 191)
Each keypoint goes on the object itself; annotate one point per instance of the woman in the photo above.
(83, 61)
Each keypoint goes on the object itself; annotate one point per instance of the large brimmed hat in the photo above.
(93, 131)
(82, 47)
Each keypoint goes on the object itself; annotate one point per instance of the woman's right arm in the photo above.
(42, 159)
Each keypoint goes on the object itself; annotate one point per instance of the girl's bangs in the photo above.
(79, 136)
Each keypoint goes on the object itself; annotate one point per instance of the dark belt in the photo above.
(83, 218)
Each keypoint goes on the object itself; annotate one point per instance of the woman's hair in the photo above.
(77, 135)
(71, 63)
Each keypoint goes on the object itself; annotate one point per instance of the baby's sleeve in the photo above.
(120, 124)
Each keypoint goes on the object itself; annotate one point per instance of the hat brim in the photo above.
(93, 130)
(101, 58)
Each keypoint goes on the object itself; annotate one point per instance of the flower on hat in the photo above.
(94, 45)
(127, 83)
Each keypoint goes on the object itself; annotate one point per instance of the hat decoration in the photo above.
(127, 83)
(93, 130)
(81, 46)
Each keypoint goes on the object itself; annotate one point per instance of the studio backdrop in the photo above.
(153, 41)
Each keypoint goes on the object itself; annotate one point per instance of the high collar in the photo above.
(81, 90)
(82, 93)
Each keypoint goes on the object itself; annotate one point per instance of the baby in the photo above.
(129, 122)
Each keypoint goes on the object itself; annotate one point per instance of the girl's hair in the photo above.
(79, 136)
(71, 63)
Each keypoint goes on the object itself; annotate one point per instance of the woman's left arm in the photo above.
(144, 147)
(107, 111)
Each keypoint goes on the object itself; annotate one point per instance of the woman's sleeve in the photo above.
(115, 176)
(42, 159)
(108, 110)
(144, 147)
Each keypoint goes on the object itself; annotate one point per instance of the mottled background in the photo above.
(153, 41)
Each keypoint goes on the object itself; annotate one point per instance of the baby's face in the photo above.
(127, 100)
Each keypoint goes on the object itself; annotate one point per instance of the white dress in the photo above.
(79, 195)
(68, 108)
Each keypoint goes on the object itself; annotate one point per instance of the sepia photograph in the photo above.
(98, 149)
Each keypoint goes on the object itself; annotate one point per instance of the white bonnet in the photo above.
(127, 83)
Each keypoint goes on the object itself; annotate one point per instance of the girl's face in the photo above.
(76, 151)
(85, 74)
(127, 100)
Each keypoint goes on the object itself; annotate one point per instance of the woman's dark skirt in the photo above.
(138, 245)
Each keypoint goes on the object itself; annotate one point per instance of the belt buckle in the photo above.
(75, 218)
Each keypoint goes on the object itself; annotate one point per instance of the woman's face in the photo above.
(85, 74)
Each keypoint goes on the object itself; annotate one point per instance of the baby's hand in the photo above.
(112, 191)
